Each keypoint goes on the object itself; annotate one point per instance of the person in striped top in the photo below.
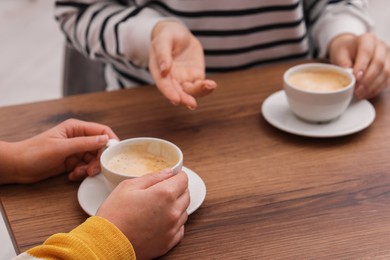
(174, 44)
(120, 230)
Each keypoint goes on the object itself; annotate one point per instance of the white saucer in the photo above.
(359, 115)
(93, 191)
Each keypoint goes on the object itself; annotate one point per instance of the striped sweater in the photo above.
(235, 34)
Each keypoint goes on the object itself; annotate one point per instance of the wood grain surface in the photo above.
(270, 194)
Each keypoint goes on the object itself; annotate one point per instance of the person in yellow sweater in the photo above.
(128, 225)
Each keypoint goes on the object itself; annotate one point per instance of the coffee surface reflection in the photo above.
(318, 80)
(137, 163)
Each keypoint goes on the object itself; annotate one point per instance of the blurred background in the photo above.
(32, 49)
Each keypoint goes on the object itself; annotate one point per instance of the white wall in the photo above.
(30, 53)
(380, 12)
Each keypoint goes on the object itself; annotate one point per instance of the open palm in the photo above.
(177, 64)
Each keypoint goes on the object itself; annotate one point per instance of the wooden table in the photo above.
(270, 194)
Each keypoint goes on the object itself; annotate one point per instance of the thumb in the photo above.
(162, 47)
(342, 58)
(82, 144)
(149, 180)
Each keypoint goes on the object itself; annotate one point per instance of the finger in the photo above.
(342, 58)
(173, 91)
(148, 180)
(177, 185)
(177, 238)
(376, 66)
(185, 99)
(364, 54)
(191, 70)
(167, 88)
(360, 91)
(89, 156)
(79, 173)
(93, 167)
(199, 88)
(76, 128)
(182, 73)
(162, 47)
(376, 87)
(211, 84)
(195, 89)
(82, 144)
(183, 201)
(181, 219)
(371, 83)
(180, 227)
(164, 84)
(71, 162)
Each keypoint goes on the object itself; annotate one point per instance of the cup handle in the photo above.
(109, 143)
(354, 98)
(349, 70)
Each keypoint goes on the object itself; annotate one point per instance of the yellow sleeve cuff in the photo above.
(96, 238)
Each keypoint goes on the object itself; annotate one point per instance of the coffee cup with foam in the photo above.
(318, 92)
(135, 157)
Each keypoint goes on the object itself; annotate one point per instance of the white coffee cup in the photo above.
(318, 92)
(134, 157)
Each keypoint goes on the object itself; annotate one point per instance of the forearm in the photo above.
(336, 19)
(16, 163)
(108, 31)
(8, 162)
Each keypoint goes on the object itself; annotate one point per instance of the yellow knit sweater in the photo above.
(96, 238)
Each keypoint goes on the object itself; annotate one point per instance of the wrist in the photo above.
(137, 31)
(163, 24)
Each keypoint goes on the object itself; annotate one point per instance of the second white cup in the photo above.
(318, 92)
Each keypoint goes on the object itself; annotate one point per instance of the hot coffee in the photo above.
(318, 92)
(318, 80)
(135, 157)
(137, 163)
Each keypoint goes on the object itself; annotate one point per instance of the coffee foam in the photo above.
(142, 159)
(318, 80)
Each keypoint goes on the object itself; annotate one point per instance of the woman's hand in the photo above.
(176, 62)
(150, 211)
(72, 146)
(368, 56)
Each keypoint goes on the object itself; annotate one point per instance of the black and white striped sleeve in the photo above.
(329, 18)
(108, 31)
